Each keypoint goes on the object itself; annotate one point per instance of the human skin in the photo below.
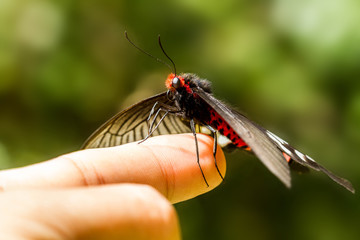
(123, 192)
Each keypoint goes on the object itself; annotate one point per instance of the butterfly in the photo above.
(189, 105)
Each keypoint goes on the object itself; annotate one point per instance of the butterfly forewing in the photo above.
(131, 124)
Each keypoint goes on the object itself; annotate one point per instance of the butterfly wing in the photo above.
(131, 124)
(268, 147)
(306, 160)
(262, 146)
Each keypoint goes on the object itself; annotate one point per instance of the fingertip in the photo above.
(178, 159)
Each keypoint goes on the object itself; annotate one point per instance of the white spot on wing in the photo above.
(301, 155)
(275, 138)
(223, 141)
(280, 143)
(287, 151)
(310, 158)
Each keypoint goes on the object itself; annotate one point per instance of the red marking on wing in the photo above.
(247, 148)
(287, 157)
(224, 128)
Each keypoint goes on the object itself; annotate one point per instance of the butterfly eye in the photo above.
(176, 82)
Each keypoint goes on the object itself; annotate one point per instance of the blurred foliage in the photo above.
(293, 66)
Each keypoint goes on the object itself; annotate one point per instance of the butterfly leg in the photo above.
(162, 107)
(192, 125)
(149, 118)
(214, 135)
(151, 127)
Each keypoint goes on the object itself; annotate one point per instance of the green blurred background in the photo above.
(293, 66)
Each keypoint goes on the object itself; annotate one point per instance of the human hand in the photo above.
(123, 192)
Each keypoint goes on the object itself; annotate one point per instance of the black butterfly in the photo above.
(188, 105)
(188, 102)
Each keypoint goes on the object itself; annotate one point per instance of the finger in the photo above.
(125, 211)
(168, 163)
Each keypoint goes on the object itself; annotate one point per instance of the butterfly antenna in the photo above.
(143, 51)
(162, 49)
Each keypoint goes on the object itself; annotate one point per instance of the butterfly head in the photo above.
(174, 82)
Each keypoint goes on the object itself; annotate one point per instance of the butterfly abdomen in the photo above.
(217, 122)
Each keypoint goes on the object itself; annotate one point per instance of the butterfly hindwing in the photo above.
(306, 160)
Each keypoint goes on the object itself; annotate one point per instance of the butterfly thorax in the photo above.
(183, 92)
